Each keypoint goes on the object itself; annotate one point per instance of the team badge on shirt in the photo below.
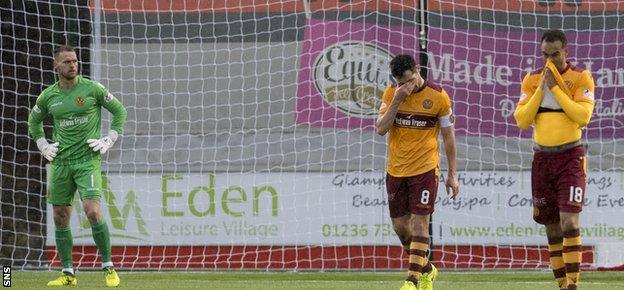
(80, 101)
(427, 104)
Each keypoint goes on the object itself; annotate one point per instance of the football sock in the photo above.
(417, 258)
(572, 256)
(64, 244)
(555, 249)
(101, 236)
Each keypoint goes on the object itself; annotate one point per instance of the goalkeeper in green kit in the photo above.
(75, 104)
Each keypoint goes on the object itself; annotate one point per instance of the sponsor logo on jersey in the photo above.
(73, 121)
(415, 121)
(80, 101)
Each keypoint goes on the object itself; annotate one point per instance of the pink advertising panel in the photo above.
(344, 71)
(482, 72)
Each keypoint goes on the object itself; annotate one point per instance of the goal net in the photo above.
(250, 138)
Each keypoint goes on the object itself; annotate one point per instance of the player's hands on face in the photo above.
(548, 81)
(452, 185)
(47, 150)
(102, 145)
(405, 90)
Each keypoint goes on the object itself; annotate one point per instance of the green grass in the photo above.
(482, 280)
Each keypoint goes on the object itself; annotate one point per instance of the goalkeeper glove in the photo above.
(47, 150)
(102, 145)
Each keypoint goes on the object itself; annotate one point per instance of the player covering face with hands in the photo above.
(413, 112)
(75, 104)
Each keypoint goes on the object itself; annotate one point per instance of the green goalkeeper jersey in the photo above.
(77, 117)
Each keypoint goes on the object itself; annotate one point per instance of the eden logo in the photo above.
(207, 200)
(119, 219)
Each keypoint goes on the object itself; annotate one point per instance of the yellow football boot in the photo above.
(64, 280)
(111, 278)
(409, 285)
(426, 279)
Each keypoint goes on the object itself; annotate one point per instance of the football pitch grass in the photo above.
(482, 280)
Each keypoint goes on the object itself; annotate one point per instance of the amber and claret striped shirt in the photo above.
(558, 114)
(413, 138)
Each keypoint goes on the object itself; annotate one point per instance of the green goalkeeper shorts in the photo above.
(64, 180)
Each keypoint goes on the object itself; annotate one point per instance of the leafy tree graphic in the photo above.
(131, 203)
(116, 218)
(119, 219)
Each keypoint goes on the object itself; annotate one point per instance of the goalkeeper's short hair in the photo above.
(63, 48)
